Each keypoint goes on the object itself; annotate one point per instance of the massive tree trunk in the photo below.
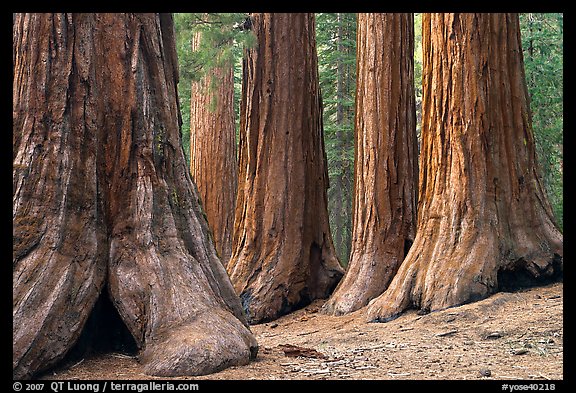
(386, 168)
(484, 220)
(59, 238)
(101, 193)
(213, 151)
(283, 256)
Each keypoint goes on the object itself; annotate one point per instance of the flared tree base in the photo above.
(436, 278)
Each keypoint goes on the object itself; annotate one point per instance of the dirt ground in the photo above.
(515, 335)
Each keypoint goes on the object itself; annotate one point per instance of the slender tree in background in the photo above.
(213, 150)
(102, 195)
(386, 167)
(221, 42)
(542, 42)
(282, 256)
(418, 73)
(336, 37)
(484, 222)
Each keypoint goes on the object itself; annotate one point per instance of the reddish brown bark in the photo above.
(101, 191)
(385, 168)
(484, 220)
(283, 256)
(59, 242)
(213, 151)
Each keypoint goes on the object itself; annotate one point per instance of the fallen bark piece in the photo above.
(448, 333)
(306, 333)
(294, 351)
(367, 367)
(336, 362)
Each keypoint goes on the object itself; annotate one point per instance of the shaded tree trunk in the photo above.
(101, 193)
(385, 159)
(59, 238)
(213, 151)
(283, 256)
(484, 220)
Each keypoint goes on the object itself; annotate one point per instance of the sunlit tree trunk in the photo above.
(385, 159)
(213, 151)
(484, 220)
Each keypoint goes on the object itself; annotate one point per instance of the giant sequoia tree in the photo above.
(213, 150)
(385, 168)
(102, 195)
(484, 221)
(282, 256)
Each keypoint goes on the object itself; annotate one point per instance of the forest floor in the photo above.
(516, 335)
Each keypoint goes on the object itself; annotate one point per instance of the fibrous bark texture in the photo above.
(213, 151)
(101, 191)
(283, 256)
(484, 221)
(385, 165)
(59, 240)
